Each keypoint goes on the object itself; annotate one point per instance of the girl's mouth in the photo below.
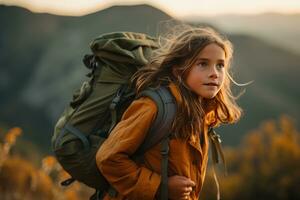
(211, 84)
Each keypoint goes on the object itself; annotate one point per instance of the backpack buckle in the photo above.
(164, 152)
(115, 102)
(165, 147)
(117, 98)
(215, 136)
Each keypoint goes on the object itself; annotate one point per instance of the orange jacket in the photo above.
(136, 181)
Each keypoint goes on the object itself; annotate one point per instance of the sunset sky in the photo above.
(179, 8)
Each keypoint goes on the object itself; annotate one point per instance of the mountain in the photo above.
(280, 29)
(41, 59)
(40, 67)
(274, 91)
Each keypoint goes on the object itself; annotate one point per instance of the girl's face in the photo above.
(206, 76)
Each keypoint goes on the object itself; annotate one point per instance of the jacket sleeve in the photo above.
(113, 158)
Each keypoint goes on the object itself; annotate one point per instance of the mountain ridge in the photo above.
(43, 67)
(280, 29)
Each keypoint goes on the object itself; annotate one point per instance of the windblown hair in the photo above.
(179, 52)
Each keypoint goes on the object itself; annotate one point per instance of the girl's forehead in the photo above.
(212, 50)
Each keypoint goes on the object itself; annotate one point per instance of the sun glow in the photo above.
(176, 8)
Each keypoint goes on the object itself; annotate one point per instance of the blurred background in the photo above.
(42, 44)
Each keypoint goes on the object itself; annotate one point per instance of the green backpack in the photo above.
(99, 104)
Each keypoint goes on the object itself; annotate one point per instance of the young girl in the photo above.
(194, 65)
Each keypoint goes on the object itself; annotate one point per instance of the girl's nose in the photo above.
(213, 72)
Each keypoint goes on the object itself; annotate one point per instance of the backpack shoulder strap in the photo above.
(166, 107)
(159, 132)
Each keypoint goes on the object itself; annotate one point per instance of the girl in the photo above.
(194, 65)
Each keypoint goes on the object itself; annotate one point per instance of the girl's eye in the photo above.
(202, 64)
(220, 65)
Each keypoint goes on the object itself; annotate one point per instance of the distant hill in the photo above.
(40, 67)
(280, 29)
(40, 59)
(275, 89)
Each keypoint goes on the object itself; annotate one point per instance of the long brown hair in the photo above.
(179, 51)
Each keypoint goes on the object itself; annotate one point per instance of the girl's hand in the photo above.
(180, 187)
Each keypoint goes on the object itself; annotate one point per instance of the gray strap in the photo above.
(68, 128)
(160, 131)
(79, 134)
(113, 112)
(166, 112)
(58, 141)
(164, 169)
(113, 106)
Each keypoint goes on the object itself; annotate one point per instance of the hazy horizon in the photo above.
(188, 8)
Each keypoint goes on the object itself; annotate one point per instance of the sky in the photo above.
(178, 8)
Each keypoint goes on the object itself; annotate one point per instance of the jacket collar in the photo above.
(175, 91)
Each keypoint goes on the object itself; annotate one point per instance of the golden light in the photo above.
(176, 8)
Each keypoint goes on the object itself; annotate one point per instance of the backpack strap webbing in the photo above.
(164, 168)
(113, 105)
(216, 150)
(160, 131)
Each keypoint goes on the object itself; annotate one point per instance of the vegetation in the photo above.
(20, 179)
(265, 166)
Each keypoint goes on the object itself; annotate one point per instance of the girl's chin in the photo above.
(209, 96)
